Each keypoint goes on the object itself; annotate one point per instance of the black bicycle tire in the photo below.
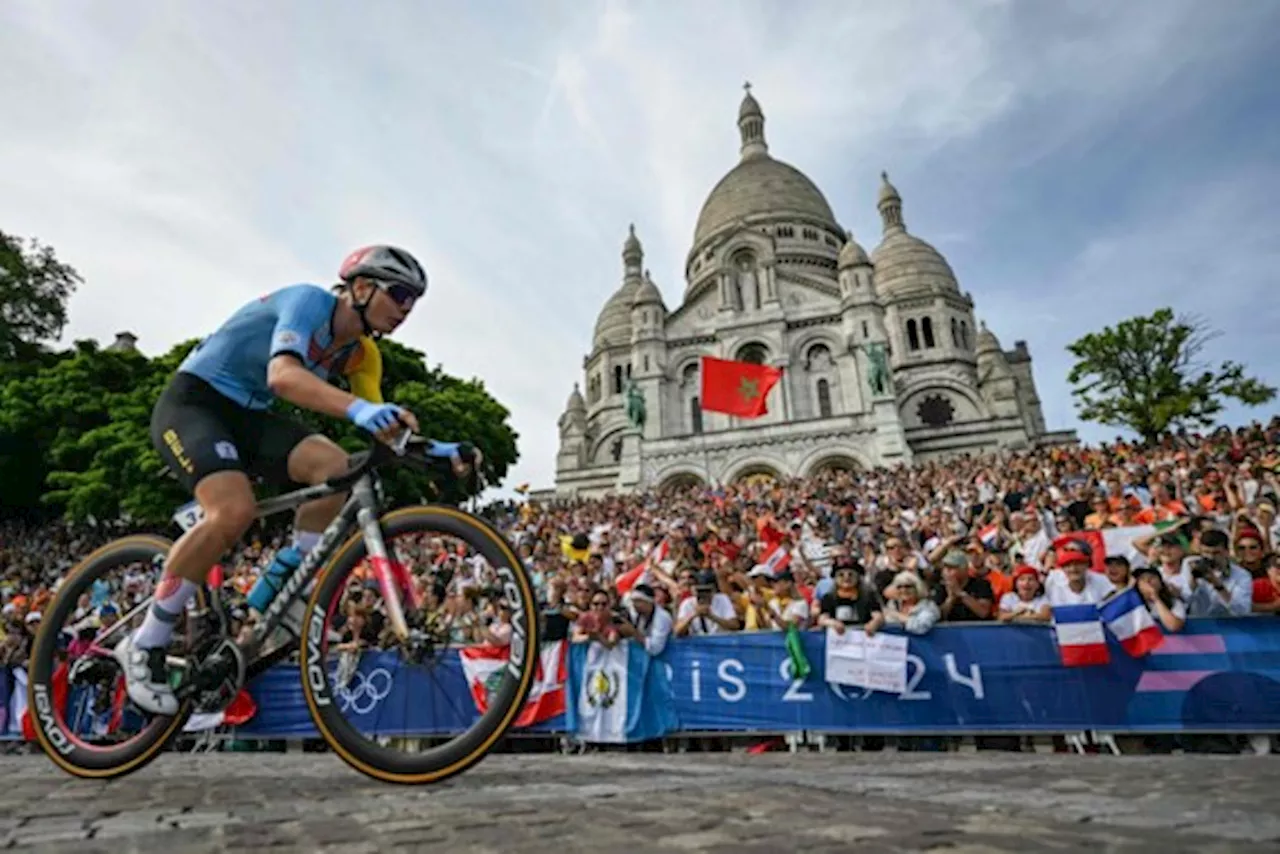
(93, 762)
(462, 752)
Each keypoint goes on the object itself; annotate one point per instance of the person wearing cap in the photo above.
(1118, 571)
(849, 603)
(1071, 581)
(962, 597)
(647, 623)
(1026, 603)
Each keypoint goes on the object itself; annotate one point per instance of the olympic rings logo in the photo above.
(362, 692)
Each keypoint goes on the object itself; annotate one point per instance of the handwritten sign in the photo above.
(878, 663)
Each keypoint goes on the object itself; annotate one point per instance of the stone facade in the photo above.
(883, 361)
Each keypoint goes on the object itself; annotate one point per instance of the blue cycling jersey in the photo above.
(297, 319)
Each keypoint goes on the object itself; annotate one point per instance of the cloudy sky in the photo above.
(1077, 162)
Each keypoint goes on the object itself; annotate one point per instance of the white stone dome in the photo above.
(760, 185)
(613, 326)
(904, 263)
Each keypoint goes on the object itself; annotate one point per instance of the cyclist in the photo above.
(212, 428)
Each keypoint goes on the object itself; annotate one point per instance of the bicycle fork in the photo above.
(392, 576)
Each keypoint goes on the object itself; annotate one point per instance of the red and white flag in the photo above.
(636, 574)
(483, 666)
(778, 559)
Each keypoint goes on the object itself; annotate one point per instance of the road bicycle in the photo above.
(210, 666)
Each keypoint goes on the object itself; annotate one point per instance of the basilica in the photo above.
(882, 360)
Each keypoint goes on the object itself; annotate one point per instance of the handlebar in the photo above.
(401, 451)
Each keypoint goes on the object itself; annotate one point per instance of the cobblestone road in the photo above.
(652, 802)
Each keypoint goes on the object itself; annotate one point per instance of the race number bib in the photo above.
(188, 515)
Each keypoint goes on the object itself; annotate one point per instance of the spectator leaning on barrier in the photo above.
(1165, 606)
(786, 607)
(648, 624)
(1026, 603)
(962, 597)
(849, 603)
(910, 606)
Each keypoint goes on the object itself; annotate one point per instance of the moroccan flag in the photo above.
(737, 388)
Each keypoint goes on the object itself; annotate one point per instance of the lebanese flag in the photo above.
(1127, 618)
(242, 709)
(483, 666)
(1081, 640)
(737, 388)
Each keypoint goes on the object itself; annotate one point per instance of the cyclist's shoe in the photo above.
(146, 677)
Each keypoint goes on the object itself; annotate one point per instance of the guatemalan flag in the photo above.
(1081, 640)
(1127, 618)
(618, 695)
(483, 667)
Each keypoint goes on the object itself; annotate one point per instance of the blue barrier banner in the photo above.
(1214, 676)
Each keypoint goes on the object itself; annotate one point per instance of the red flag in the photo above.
(737, 388)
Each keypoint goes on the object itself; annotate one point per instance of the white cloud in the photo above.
(186, 157)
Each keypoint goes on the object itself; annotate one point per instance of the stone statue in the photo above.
(635, 405)
(878, 378)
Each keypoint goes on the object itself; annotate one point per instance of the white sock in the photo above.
(172, 595)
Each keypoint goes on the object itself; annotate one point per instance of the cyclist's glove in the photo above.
(374, 417)
(453, 451)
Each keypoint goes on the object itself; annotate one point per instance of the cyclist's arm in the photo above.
(289, 380)
(299, 312)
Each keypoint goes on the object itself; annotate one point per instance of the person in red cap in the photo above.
(1072, 582)
(1026, 603)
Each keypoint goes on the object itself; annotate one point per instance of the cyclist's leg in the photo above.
(289, 453)
(192, 427)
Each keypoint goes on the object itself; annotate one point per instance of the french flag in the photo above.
(1127, 618)
(1081, 640)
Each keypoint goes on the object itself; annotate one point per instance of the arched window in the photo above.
(617, 379)
(926, 326)
(695, 414)
(955, 333)
(818, 358)
(913, 338)
(964, 335)
(824, 399)
(753, 353)
(690, 374)
(628, 370)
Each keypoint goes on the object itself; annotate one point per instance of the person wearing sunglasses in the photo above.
(212, 428)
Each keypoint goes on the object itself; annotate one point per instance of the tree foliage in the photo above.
(34, 289)
(1147, 374)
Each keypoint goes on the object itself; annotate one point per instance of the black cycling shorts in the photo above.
(198, 432)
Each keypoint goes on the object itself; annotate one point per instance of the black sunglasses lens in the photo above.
(402, 294)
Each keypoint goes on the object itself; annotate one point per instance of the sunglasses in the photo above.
(402, 295)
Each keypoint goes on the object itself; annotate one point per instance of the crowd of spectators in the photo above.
(968, 539)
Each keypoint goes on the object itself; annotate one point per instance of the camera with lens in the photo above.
(1202, 567)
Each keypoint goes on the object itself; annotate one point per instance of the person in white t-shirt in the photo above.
(1073, 582)
(1026, 602)
(707, 611)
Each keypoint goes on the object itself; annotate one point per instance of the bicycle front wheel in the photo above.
(423, 722)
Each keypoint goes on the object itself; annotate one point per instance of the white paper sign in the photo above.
(188, 515)
(878, 662)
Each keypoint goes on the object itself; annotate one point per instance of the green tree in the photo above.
(1147, 374)
(34, 289)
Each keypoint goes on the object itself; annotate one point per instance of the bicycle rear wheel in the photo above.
(75, 696)
(328, 695)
